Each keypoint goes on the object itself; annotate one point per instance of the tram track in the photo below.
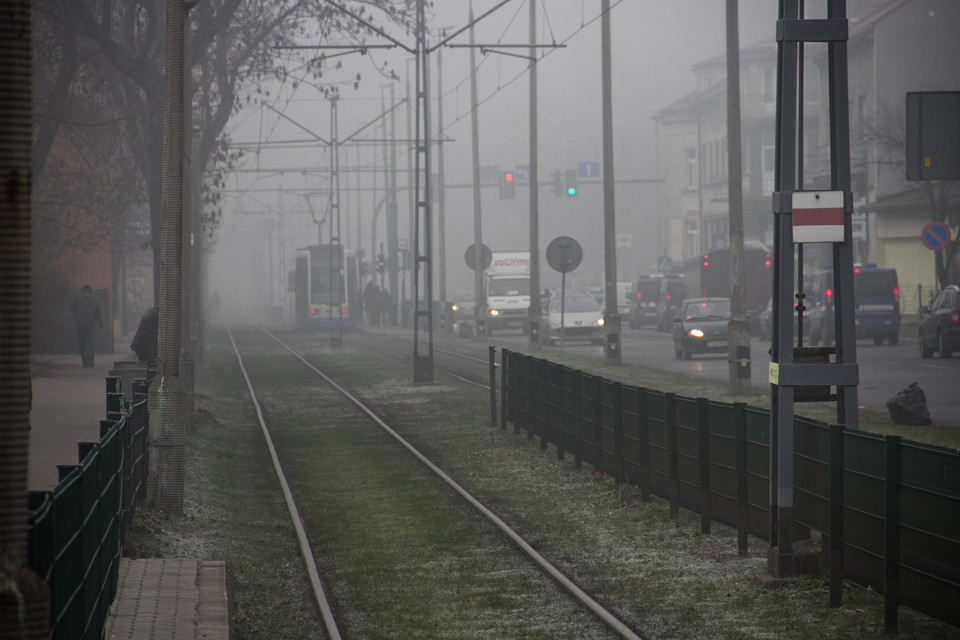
(583, 599)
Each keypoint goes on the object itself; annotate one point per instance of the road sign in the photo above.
(588, 169)
(564, 254)
(817, 216)
(522, 173)
(485, 256)
(935, 236)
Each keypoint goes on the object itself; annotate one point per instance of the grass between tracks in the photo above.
(658, 574)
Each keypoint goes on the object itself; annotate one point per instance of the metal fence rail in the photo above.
(888, 510)
(76, 530)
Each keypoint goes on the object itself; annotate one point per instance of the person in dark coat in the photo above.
(144, 342)
(86, 314)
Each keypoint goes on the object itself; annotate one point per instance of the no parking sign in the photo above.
(935, 236)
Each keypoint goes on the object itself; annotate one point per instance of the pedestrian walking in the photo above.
(86, 315)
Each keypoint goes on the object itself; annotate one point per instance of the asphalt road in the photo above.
(884, 370)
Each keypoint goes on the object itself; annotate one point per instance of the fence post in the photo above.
(597, 431)
(492, 351)
(618, 474)
(836, 514)
(673, 464)
(891, 532)
(530, 406)
(560, 412)
(544, 407)
(706, 513)
(740, 454)
(504, 393)
(643, 436)
(578, 394)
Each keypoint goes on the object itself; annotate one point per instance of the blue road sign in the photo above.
(588, 170)
(935, 236)
(522, 173)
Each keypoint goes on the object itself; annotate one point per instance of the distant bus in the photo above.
(326, 284)
(710, 277)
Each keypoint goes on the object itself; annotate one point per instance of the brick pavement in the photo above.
(157, 598)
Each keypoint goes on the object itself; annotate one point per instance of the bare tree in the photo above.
(110, 54)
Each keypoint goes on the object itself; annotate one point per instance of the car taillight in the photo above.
(639, 295)
(312, 311)
(668, 296)
(953, 318)
(896, 298)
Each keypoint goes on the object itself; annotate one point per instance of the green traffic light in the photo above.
(571, 191)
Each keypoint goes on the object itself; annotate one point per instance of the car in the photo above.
(464, 304)
(701, 327)
(673, 290)
(876, 303)
(576, 316)
(644, 296)
(939, 328)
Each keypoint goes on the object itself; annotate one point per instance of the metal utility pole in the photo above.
(800, 373)
(611, 318)
(738, 344)
(441, 193)
(393, 240)
(534, 313)
(422, 236)
(480, 311)
(336, 249)
(167, 397)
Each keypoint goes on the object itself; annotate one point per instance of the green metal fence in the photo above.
(888, 510)
(76, 530)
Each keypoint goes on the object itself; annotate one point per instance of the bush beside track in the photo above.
(658, 574)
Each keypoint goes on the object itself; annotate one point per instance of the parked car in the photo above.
(701, 327)
(940, 324)
(582, 319)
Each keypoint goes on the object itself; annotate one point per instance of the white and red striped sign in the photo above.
(818, 216)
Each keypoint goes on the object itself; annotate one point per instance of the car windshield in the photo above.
(575, 305)
(510, 287)
(707, 310)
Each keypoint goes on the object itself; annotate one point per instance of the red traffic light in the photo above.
(508, 177)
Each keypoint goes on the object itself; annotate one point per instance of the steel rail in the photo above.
(609, 619)
(305, 549)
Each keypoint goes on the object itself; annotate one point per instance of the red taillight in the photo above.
(896, 298)
(856, 270)
(668, 296)
(639, 295)
(828, 293)
(312, 311)
(343, 311)
(953, 318)
(706, 264)
(767, 264)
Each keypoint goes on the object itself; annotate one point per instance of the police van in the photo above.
(876, 303)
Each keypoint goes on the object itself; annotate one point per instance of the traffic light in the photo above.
(508, 189)
(571, 182)
(557, 187)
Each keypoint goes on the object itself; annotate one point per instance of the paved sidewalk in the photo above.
(157, 598)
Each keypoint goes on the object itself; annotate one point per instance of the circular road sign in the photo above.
(564, 254)
(485, 256)
(935, 236)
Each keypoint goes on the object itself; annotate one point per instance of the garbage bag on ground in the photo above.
(909, 407)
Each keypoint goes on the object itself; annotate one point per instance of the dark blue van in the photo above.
(876, 299)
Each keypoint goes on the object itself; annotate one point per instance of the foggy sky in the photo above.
(654, 46)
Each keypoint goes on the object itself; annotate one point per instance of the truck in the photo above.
(506, 285)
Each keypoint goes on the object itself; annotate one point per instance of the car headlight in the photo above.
(598, 323)
(454, 307)
(696, 333)
(494, 312)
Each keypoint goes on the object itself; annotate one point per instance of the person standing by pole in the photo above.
(86, 314)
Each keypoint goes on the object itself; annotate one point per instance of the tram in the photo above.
(327, 290)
